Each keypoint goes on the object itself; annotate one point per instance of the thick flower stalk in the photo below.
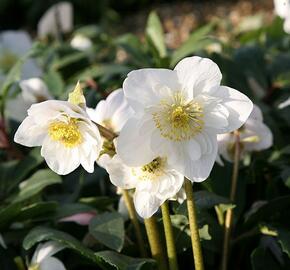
(65, 133)
(254, 135)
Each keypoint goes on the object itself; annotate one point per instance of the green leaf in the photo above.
(26, 165)
(181, 222)
(196, 42)
(132, 45)
(155, 33)
(19, 212)
(54, 82)
(284, 240)
(44, 234)
(122, 262)
(108, 229)
(36, 183)
(273, 208)
(262, 259)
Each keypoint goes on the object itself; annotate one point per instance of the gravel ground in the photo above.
(181, 18)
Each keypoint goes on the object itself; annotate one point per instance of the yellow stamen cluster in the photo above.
(178, 119)
(67, 133)
(151, 170)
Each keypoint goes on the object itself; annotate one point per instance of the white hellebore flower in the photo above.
(254, 136)
(282, 9)
(42, 258)
(33, 90)
(154, 183)
(81, 42)
(111, 113)
(13, 45)
(67, 136)
(178, 114)
(57, 19)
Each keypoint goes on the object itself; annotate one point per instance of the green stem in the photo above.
(133, 217)
(171, 251)
(229, 212)
(192, 217)
(155, 243)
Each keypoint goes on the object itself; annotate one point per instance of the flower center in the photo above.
(151, 170)
(67, 133)
(178, 119)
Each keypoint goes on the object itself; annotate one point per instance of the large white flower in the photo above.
(178, 114)
(65, 132)
(254, 136)
(43, 257)
(154, 183)
(33, 90)
(81, 42)
(57, 19)
(13, 45)
(111, 113)
(282, 9)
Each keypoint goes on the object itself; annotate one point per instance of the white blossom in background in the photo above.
(65, 133)
(178, 114)
(284, 104)
(57, 19)
(14, 45)
(43, 257)
(81, 42)
(282, 9)
(254, 136)
(33, 90)
(154, 183)
(111, 113)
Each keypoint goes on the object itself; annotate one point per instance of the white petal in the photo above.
(169, 185)
(120, 174)
(195, 170)
(46, 250)
(58, 18)
(238, 105)
(264, 134)
(52, 264)
(142, 86)
(286, 25)
(133, 144)
(146, 205)
(281, 7)
(34, 89)
(30, 134)
(18, 42)
(256, 114)
(59, 158)
(198, 75)
(16, 108)
(224, 140)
